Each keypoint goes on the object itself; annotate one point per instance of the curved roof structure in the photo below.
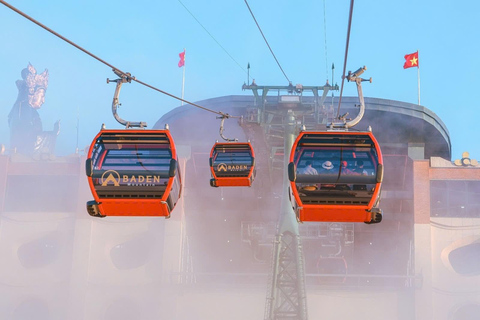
(250, 215)
(395, 124)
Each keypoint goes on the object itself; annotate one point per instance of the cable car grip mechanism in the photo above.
(343, 123)
(223, 117)
(123, 78)
(355, 76)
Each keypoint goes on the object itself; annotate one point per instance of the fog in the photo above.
(213, 258)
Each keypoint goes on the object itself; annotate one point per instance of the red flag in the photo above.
(411, 60)
(181, 63)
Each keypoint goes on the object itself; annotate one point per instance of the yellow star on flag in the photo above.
(411, 60)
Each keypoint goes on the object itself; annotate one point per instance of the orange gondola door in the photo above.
(232, 164)
(336, 176)
(133, 173)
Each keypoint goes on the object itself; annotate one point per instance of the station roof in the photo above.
(395, 124)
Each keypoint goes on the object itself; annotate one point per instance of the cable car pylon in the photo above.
(286, 297)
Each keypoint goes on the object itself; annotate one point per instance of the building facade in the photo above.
(212, 259)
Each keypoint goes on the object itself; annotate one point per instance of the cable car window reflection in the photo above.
(153, 164)
(240, 159)
(133, 173)
(232, 164)
(337, 166)
(343, 182)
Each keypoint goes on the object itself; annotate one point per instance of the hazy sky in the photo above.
(145, 37)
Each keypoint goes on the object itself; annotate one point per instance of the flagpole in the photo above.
(418, 79)
(183, 78)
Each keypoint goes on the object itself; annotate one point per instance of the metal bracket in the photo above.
(343, 123)
(223, 117)
(355, 76)
(124, 77)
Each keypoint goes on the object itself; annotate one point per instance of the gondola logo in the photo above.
(222, 167)
(225, 167)
(110, 176)
(141, 180)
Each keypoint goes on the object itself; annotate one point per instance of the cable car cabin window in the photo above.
(131, 170)
(232, 162)
(327, 172)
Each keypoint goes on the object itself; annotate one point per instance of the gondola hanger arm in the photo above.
(123, 78)
(342, 122)
(355, 76)
(223, 117)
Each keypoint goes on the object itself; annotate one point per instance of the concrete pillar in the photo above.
(423, 239)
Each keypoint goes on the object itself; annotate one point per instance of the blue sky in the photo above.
(144, 38)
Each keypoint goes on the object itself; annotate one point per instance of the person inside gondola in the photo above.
(345, 169)
(308, 169)
(359, 168)
(328, 169)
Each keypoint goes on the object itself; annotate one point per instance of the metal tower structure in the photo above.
(281, 118)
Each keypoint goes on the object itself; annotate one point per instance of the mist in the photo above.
(212, 259)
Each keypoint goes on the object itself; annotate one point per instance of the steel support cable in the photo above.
(108, 64)
(212, 37)
(260, 29)
(346, 55)
(325, 35)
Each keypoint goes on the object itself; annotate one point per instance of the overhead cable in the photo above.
(346, 55)
(325, 35)
(108, 64)
(212, 37)
(273, 54)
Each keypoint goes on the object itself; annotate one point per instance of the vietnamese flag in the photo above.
(411, 60)
(181, 63)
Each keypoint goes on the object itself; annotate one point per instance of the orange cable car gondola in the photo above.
(232, 164)
(133, 173)
(336, 176)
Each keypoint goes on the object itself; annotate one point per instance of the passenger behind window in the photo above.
(308, 169)
(345, 169)
(359, 168)
(328, 168)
